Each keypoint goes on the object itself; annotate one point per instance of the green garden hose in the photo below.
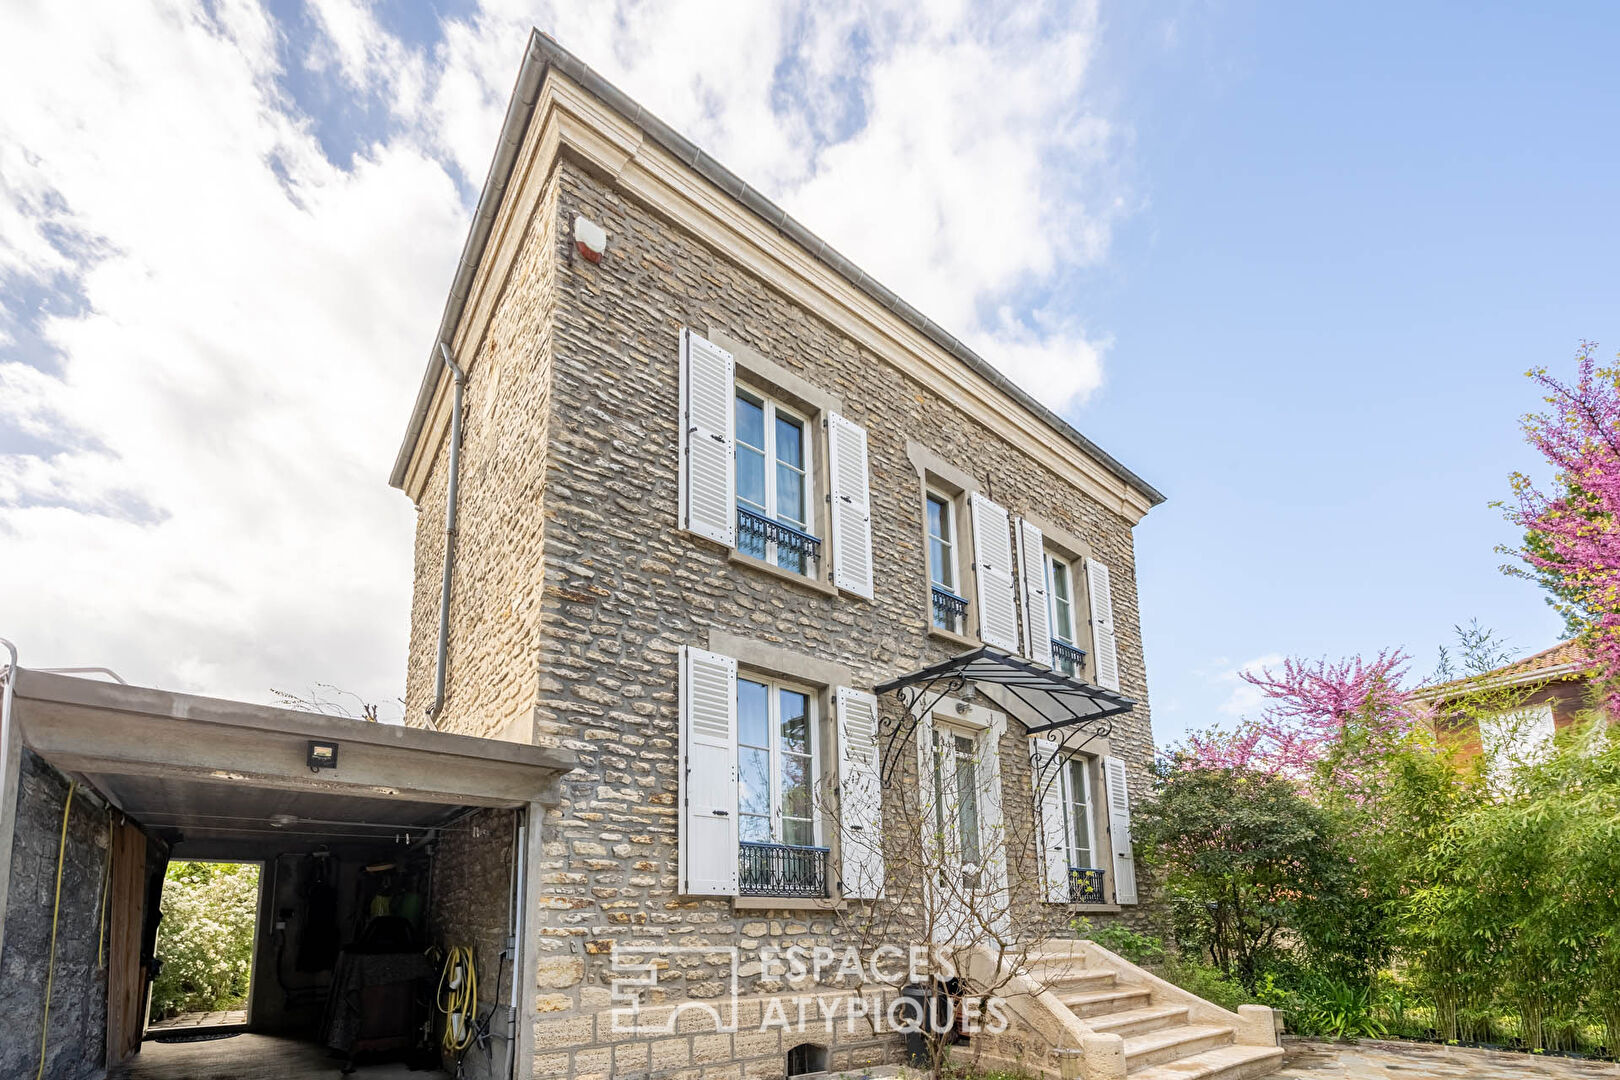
(56, 910)
(458, 998)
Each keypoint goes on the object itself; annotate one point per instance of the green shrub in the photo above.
(1186, 969)
(1324, 1006)
(1200, 977)
(1133, 945)
(206, 937)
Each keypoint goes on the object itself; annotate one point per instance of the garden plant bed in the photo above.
(1388, 1059)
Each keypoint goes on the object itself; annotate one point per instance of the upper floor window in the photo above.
(749, 468)
(947, 603)
(773, 471)
(1513, 739)
(1060, 598)
(776, 763)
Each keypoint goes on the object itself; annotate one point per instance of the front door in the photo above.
(963, 855)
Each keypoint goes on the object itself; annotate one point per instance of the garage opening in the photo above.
(380, 899)
(361, 906)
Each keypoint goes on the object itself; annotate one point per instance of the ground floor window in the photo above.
(777, 767)
(776, 763)
(1078, 825)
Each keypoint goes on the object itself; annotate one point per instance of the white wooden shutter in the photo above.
(1105, 647)
(993, 569)
(708, 787)
(860, 796)
(851, 506)
(708, 461)
(1119, 830)
(1054, 839)
(1032, 592)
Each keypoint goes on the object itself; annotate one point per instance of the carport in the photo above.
(321, 803)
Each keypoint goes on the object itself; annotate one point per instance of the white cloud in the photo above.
(227, 399)
(1243, 699)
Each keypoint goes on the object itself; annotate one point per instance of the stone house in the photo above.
(761, 631)
(706, 506)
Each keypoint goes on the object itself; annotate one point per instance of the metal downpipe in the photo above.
(453, 488)
(520, 877)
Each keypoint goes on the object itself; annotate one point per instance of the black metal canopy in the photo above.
(1058, 700)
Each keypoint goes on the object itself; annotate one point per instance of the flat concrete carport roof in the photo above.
(181, 761)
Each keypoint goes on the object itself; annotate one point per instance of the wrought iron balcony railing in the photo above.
(1067, 658)
(1085, 885)
(795, 547)
(949, 609)
(781, 870)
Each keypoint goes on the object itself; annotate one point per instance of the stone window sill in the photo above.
(952, 637)
(737, 558)
(1099, 909)
(784, 903)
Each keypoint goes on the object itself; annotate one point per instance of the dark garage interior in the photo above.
(386, 940)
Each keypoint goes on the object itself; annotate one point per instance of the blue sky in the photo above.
(1289, 262)
(1363, 225)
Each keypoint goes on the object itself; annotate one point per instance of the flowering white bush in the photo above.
(206, 937)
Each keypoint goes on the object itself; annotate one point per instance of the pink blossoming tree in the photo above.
(1321, 718)
(1573, 528)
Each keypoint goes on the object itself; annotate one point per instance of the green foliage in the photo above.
(962, 1073)
(1188, 971)
(1198, 976)
(1133, 945)
(1430, 905)
(1520, 913)
(1242, 855)
(206, 937)
(1321, 1005)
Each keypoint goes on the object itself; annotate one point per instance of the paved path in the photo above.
(1373, 1059)
(200, 1019)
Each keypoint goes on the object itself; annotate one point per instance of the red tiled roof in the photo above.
(1566, 660)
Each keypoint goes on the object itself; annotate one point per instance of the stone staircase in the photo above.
(1128, 1023)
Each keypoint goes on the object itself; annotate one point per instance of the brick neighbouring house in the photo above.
(714, 490)
(1512, 712)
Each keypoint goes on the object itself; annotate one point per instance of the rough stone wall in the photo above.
(624, 589)
(586, 627)
(494, 627)
(472, 881)
(76, 1043)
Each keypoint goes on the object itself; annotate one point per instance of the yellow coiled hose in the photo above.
(458, 998)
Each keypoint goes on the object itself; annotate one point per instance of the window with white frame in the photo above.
(1067, 656)
(776, 763)
(748, 469)
(1078, 825)
(774, 474)
(948, 605)
(752, 751)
